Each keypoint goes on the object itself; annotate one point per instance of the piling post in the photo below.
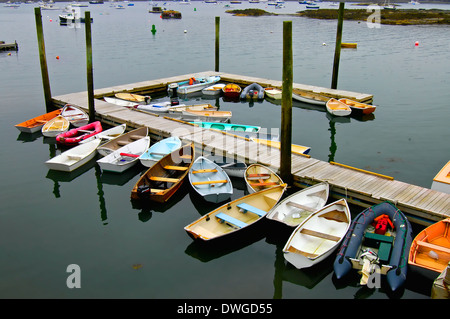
(217, 43)
(90, 78)
(286, 105)
(43, 59)
(337, 52)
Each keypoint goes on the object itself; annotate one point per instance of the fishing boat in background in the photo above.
(135, 98)
(36, 123)
(210, 181)
(441, 182)
(215, 89)
(158, 150)
(236, 215)
(76, 135)
(75, 115)
(232, 166)
(294, 209)
(379, 240)
(75, 157)
(160, 182)
(253, 91)
(55, 126)
(318, 236)
(232, 91)
(108, 134)
(258, 177)
(122, 140)
(196, 84)
(273, 93)
(359, 108)
(337, 108)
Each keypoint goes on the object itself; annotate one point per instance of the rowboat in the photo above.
(379, 240)
(228, 127)
(258, 177)
(358, 107)
(125, 157)
(235, 215)
(178, 109)
(210, 181)
(318, 236)
(159, 150)
(76, 116)
(119, 102)
(161, 107)
(201, 116)
(349, 45)
(164, 178)
(135, 98)
(108, 134)
(36, 123)
(441, 182)
(122, 140)
(294, 209)
(215, 89)
(76, 135)
(337, 108)
(295, 148)
(310, 98)
(273, 93)
(196, 84)
(233, 167)
(430, 250)
(232, 91)
(55, 126)
(253, 91)
(75, 157)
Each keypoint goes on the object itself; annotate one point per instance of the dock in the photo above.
(359, 187)
(9, 46)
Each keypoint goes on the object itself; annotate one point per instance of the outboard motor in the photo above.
(173, 87)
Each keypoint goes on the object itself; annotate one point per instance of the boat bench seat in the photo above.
(320, 235)
(74, 157)
(175, 168)
(230, 220)
(249, 208)
(164, 179)
(300, 206)
(433, 246)
(206, 170)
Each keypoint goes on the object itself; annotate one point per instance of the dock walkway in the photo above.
(363, 188)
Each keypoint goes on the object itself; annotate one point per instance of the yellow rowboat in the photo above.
(140, 99)
(337, 108)
(296, 149)
(441, 182)
(55, 126)
(349, 45)
(259, 177)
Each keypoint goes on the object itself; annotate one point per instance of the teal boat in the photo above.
(228, 126)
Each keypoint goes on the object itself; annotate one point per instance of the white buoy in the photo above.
(185, 31)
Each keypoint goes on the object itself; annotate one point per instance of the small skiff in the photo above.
(310, 98)
(135, 98)
(55, 126)
(196, 84)
(337, 108)
(161, 107)
(108, 134)
(178, 109)
(294, 209)
(76, 135)
(210, 181)
(235, 215)
(318, 236)
(430, 250)
(215, 89)
(122, 140)
(125, 157)
(273, 93)
(233, 167)
(35, 124)
(232, 91)
(164, 178)
(349, 45)
(359, 108)
(296, 149)
(213, 116)
(158, 150)
(76, 116)
(120, 102)
(441, 182)
(228, 127)
(74, 157)
(253, 91)
(258, 177)
(379, 239)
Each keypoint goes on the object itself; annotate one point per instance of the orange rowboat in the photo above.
(358, 107)
(35, 124)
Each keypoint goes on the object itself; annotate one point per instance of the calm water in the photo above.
(51, 220)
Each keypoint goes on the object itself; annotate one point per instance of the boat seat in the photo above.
(249, 208)
(164, 179)
(210, 182)
(204, 171)
(319, 234)
(292, 204)
(230, 220)
(122, 143)
(175, 168)
(258, 176)
(136, 137)
(74, 157)
(432, 246)
(264, 184)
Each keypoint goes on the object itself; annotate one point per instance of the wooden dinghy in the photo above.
(258, 177)
(359, 108)
(318, 236)
(233, 167)
(120, 102)
(232, 91)
(178, 109)
(76, 135)
(76, 116)
(135, 98)
(337, 108)
(125, 157)
(108, 134)
(371, 246)
(430, 250)
(441, 182)
(206, 116)
(294, 209)
(159, 150)
(55, 126)
(122, 140)
(235, 215)
(210, 181)
(36, 123)
(273, 93)
(74, 157)
(164, 178)
(310, 98)
(295, 148)
(215, 89)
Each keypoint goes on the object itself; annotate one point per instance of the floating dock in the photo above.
(9, 46)
(360, 187)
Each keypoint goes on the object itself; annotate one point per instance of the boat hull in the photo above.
(253, 91)
(76, 135)
(122, 140)
(35, 124)
(441, 182)
(338, 108)
(258, 177)
(185, 87)
(74, 158)
(55, 126)
(359, 108)
(158, 150)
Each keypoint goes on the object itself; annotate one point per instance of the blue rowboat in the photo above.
(158, 150)
(196, 84)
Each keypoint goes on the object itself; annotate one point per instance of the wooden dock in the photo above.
(9, 46)
(363, 188)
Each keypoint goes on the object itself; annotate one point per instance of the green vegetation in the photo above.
(250, 12)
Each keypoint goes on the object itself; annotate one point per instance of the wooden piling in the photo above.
(90, 77)
(337, 52)
(43, 60)
(217, 44)
(286, 105)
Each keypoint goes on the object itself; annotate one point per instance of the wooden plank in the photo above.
(319, 234)
(213, 170)
(164, 179)
(210, 182)
(175, 168)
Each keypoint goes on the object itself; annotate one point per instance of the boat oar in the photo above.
(129, 155)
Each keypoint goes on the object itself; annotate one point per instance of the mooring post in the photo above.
(43, 60)
(217, 43)
(90, 78)
(337, 52)
(286, 105)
